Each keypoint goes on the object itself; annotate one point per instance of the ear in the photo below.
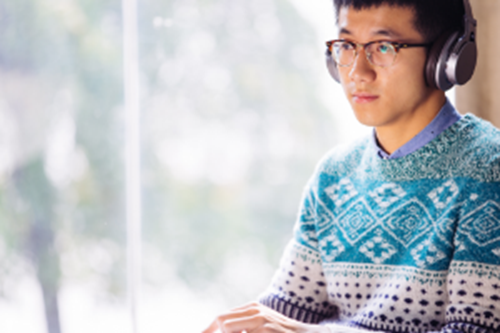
(437, 54)
(452, 59)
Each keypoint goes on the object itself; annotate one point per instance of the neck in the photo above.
(391, 138)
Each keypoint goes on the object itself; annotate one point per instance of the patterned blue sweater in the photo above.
(403, 245)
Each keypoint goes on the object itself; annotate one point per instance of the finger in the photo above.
(246, 311)
(270, 328)
(247, 306)
(260, 308)
(240, 324)
(233, 314)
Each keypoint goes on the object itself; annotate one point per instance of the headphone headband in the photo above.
(467, 8)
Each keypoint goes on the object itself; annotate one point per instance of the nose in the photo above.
(361, 69)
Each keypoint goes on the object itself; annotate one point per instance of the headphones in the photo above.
(451, 59)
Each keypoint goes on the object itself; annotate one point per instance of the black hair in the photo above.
(432, 17)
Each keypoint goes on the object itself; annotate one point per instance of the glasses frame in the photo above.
(396, 45)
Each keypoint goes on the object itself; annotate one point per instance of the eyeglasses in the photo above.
(378, 53)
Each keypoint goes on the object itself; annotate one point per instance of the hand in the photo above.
(257, 318)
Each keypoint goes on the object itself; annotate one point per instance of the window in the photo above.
(232, 122)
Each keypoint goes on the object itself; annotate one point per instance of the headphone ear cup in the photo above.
(331, 64)
(435, 69)
(461, 63)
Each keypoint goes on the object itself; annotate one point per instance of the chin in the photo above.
(366, 115)
(369, 123)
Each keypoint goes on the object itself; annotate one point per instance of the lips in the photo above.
(362, 98)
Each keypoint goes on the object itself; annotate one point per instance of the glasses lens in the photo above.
(343, 52)
(381, 54)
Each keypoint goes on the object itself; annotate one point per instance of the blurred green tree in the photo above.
(58, 64)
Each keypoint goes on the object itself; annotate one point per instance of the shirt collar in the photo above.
(446, 117)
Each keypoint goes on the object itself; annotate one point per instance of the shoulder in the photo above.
(477, 131)
(479, 144)
(344, 158)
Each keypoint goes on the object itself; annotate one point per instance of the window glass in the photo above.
(62, 230)
(232, 126)
(233, 120)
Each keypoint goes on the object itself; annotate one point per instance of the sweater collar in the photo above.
(446, 117)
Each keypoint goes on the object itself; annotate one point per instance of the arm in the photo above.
(473, 281)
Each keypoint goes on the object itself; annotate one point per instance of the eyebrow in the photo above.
(380, 32)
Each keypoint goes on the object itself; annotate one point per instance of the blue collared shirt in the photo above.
(446, 117)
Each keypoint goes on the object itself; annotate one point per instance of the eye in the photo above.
(384, 48)
(345, 46)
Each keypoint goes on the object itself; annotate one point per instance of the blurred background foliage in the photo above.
(232, 125)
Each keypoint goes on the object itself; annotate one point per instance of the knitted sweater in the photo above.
(404, 245)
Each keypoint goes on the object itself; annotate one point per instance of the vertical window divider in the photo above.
(132, 157)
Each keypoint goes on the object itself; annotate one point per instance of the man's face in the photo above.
(384, 97)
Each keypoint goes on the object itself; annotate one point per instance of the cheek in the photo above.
(415, 68)
(347, 84)
(402, 81)
(343, 74)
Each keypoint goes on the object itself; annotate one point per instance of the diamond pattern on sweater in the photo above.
(409, 222)
(357, 221)
(481, 225)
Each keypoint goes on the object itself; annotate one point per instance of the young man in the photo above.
(398, 232)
